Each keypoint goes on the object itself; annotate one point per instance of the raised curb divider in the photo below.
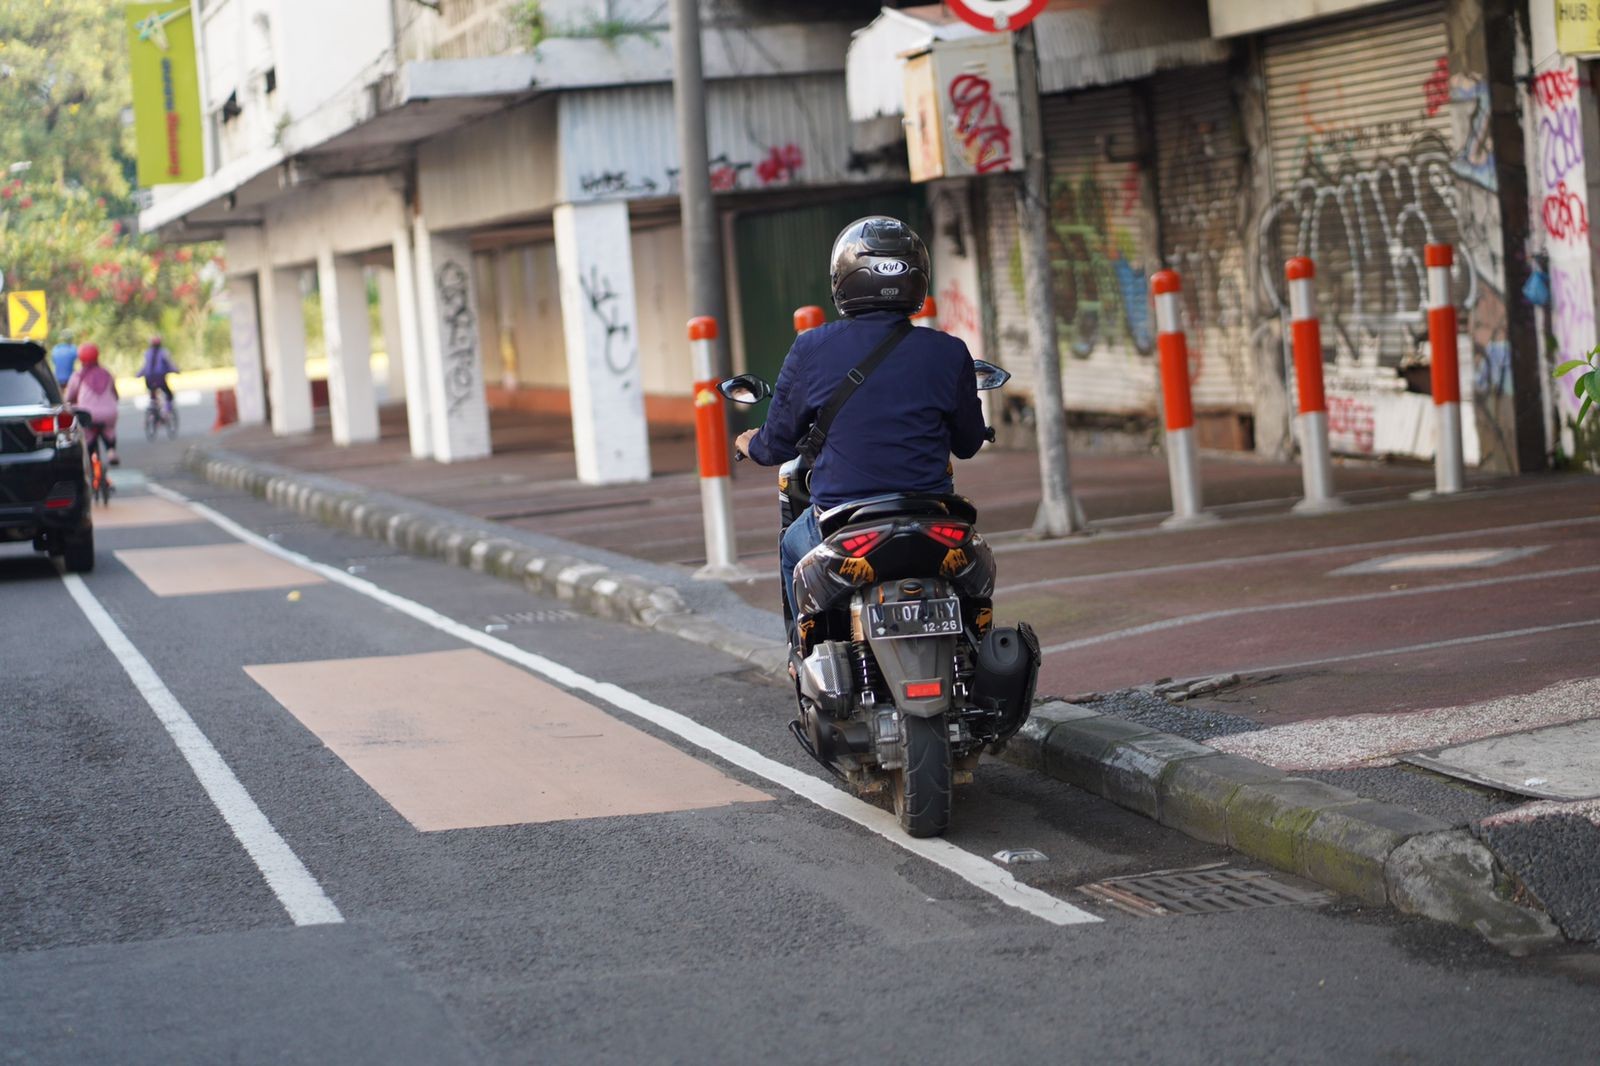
(585, 585)
(1377, 852)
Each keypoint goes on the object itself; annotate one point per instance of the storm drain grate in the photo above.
(531, 618)
(1202, 891)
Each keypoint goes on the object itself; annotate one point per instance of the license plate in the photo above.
(914, 618)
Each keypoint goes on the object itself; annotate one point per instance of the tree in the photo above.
(66, 173)
(63, 94)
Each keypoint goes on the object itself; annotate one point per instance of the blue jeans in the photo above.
(801, 536)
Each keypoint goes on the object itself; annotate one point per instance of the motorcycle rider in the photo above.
(899, 429)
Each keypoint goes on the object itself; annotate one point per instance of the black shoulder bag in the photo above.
(810, 445)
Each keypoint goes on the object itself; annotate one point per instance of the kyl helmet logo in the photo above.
(890, 267)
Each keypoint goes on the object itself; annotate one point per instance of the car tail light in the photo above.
(951, 536)
(922, 690)
(857, 545)
(59, 422)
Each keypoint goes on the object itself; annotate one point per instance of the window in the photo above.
(23, 388)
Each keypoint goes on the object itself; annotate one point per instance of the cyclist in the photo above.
(94, 389)
(64, 355)
(155, 368)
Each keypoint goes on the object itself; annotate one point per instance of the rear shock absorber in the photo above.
(869, 678)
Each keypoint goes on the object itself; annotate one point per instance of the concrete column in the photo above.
(352, 404)
(594, 258)
(284, 333)
(245, 325)
(419, 416)
(389, 322)
(452, 355)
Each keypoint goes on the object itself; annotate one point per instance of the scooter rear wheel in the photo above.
(924, 789)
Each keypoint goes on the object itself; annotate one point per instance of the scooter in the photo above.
(902, 680)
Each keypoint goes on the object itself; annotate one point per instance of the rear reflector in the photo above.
(923, 690)
(57, 504)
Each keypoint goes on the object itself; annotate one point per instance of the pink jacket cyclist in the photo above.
(94, 389)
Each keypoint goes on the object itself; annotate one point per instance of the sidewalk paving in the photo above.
(1389, 607)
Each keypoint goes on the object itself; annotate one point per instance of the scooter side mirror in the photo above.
(746, 388)
(989, 375)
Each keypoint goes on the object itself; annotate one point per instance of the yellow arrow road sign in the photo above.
(28, 319)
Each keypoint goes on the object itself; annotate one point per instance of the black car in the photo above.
(44, 492)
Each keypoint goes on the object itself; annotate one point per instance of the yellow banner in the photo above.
(1578, 27)
(166, 93)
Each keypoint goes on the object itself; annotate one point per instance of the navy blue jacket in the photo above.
(899, 429)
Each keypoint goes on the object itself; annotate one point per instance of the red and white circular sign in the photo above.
(997, 16)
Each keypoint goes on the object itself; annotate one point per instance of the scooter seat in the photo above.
(896, 505)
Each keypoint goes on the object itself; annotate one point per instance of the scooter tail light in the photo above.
(948, 534)
(857, 545)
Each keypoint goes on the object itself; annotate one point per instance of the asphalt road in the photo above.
(390, 811)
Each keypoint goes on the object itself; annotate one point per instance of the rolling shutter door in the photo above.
(1203, 189)
(1097, 247)
(1360, 127)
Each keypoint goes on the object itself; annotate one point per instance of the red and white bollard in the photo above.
(808, 318)
(1449, 460)
(1316, 458)
(1183, 458)
(711, 443)
(927, 314)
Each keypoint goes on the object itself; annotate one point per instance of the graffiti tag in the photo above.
(1352, 423)
(460, 334)
(980, 125)
(1560, 144)
(1553, 88)
(1436, 90)
(605, 306)
(781, 164)
(616, 183)
(1566, 217)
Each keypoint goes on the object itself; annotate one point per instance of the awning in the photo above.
(364, 133)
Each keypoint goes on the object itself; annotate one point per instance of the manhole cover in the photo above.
(530, 618)
(1202, 891)
(1457, 559)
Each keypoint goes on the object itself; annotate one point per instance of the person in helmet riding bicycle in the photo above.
(154, 369)
(905, 419)
(94, 389)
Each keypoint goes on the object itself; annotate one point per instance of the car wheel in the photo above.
(78, 552)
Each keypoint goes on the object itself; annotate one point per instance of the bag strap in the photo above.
(810, 446)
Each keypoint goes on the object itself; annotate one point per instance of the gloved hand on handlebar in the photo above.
(741, 445)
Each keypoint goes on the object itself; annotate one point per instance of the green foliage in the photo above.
(1585, 386)
(63, 90)
(530, 22)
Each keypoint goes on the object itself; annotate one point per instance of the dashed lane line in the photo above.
(285, 874)
(1326, 601)
(976, 871)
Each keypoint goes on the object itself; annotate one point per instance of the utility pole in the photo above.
(702, 239)
(1059, 513)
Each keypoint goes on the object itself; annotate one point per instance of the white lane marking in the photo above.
(285, 874)
(1326, 601)
(1362, 740)
(1507, 634)
(971, 868)
(1298, 553)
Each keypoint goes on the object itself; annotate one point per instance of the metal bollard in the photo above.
(1183, 460)
(1449, 461)
(711, 444)
(1315, 456)
(808, 318)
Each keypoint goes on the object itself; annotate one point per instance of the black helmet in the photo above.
(879, 264)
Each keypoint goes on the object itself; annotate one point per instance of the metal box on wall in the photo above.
(962, 115)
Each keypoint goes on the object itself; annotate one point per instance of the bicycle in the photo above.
(100, 487)
(158, 413)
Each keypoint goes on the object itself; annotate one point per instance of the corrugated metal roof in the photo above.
(1116, 41)
(1122, 41)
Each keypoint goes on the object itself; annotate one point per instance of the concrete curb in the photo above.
(1376, 852)
(583, 584)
